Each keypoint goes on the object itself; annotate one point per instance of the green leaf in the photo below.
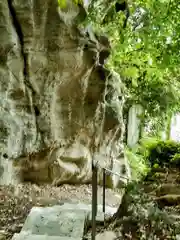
(62, 3)
(131, 72)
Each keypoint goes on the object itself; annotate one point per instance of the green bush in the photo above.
(175, 161)
(152, 153)
(163, 153)
(137, 163)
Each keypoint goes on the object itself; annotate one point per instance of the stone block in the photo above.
(54, 221)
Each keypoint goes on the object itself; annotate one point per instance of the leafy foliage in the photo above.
(63, 3)
(176, 159)
(164, 152)
(146, 53)
(138, 157)
(137, 163)
(152, 153)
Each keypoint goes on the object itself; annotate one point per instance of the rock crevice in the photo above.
(17, 27)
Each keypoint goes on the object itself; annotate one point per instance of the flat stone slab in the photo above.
(61, 222)
(88, 207)
(27, 236)
(55, 221)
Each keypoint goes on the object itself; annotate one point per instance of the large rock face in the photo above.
(59, 109)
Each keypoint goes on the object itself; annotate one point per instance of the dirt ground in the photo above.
(17, 201)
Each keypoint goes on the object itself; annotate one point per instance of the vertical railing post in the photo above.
(94, 199)
(104, 190)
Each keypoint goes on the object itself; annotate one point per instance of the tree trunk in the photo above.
(123, 207)
(134, 125)
(168, 126)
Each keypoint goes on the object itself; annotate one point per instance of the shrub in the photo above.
(152, 153)
(163, 153)
(175, 161)
(137, 164)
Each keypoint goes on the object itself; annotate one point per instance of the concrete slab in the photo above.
(53, 221)
(61, 222)
(109, 210)
(87, 207)
(27, 236)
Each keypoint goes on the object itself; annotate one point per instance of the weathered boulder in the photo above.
(167, 188)
(59, 107)
(168, 200)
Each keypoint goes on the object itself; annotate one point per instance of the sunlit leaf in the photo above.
(62, 3)
(131, 72)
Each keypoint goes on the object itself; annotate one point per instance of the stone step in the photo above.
(167, 188)
(55, 221)
(27, 236)
(168, 200)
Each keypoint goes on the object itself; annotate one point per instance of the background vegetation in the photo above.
(146, 54)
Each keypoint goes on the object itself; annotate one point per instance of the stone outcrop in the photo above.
(59, 107)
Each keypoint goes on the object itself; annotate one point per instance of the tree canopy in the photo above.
(146, 53)
(145, 50)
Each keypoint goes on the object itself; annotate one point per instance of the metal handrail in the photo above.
(94, 193)
(94, 200)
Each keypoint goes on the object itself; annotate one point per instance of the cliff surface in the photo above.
(59, 107)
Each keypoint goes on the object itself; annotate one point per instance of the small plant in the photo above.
(156, 165)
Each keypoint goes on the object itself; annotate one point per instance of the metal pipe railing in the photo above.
(104, 190)
(94, 193)
(94, 200)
